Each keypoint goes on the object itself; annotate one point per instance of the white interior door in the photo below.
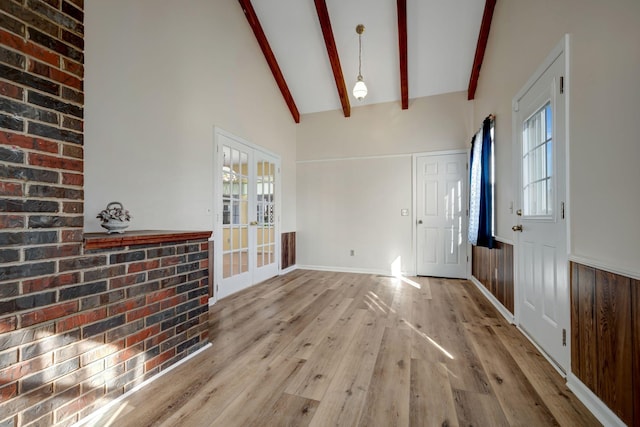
(441, 215)
(540, 234)
(246, 228)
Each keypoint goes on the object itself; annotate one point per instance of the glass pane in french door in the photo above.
(265, 207)
(235, 212)
(537, 163)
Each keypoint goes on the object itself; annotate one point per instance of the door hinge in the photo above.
(562, 209)
(467, 258)
(516, 106)
(564, 337)
(561, 84)
(217, 289)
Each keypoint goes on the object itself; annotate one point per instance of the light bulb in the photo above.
(360, 89)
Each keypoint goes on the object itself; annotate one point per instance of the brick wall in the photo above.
(77, 328)
(101, 324)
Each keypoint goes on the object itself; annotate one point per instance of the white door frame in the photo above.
(559, 49)
(217, 205)
(414, 198)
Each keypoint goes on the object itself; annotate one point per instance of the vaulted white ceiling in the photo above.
(442, 36)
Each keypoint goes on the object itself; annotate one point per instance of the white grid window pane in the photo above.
(537, 163)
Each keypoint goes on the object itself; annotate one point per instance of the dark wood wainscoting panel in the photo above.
(212, 276)
(507, 275)
(288, 249)
(480, 265)
(494, 269)
(604, 325)
(584, 351)
(576, 366)
(613, 317)
(635, 351)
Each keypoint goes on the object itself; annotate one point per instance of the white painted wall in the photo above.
(354, 177)
(604, 149)
(355, 204)
(160, 75)
(431, 123)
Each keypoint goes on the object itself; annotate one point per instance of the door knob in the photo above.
(253, 223)
(419, 221)
(517, 228)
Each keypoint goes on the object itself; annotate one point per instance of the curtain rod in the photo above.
(490, 117)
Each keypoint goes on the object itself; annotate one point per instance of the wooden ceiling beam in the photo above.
(483, 37)
(332, 51)
(252, 18)
(402, 48)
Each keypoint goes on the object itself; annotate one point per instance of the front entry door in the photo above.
(246, 225)
(441, 215)
(540, 232)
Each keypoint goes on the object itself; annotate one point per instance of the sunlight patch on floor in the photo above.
(378, 301)
(428, 338)
(396, 271)
(371, 303)
(112, 419)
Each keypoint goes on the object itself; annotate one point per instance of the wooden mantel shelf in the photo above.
(94, 241)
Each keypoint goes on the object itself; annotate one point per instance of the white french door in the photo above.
(266, 247)
(441, 215)
(541, 232)
(246, 228)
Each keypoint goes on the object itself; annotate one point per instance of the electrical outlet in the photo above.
(353, 252)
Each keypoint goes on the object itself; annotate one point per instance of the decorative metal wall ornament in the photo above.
(115, 218)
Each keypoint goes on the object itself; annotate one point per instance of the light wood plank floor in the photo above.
(336, 349)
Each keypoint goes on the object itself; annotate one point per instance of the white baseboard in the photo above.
(346, 270)
(93, 418)
(597, 407)
(505, 313)
(288, 270)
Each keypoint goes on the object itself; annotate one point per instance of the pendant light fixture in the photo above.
(360, 89)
